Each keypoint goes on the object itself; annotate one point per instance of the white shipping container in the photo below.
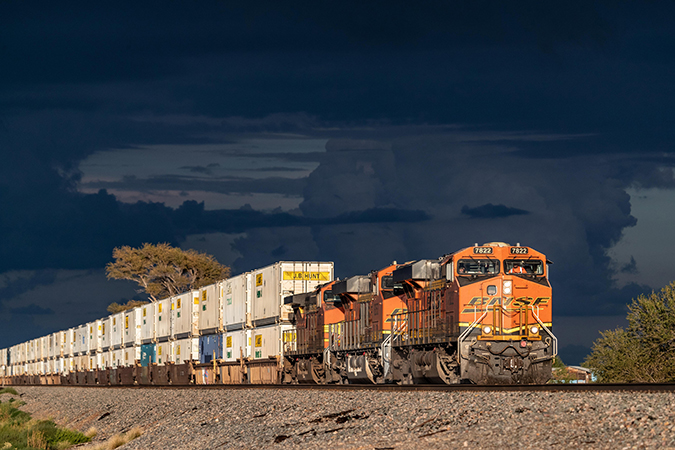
(185, 350)
(94, 335)
(163, 315)
(53, 346)
(46, 340)
(131, 355)
(117, 330)
(164, 353)
(81, 340)
(267, 341)
(30, 351)
(132, 327)
(41, 352)
(148, 322)
(68, 341)
(104, 360)
(185, 314)
(58, 365)
(210, 310)
(235, 345)
(234, 302)
(106, 333)
(117, 358)
(273, 283)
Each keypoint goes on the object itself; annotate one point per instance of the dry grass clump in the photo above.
(91, 432)
(36, 439)
(119, 440)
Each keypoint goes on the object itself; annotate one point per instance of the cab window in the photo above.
(523, 266)
(387, 282)
(477, 267)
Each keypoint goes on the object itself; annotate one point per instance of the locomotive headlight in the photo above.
(507, 287)
(487, 330)
(534, 330)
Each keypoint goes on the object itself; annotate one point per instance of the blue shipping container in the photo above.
(210, 348)
(148, 354)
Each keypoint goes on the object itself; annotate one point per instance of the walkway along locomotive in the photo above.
(479, 315)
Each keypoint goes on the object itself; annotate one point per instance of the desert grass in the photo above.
(118, 440)
(19, 431)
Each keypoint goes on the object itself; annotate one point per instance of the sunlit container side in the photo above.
(38, 349)
(131, 355)
(106, 333)
(94, 330)
(51, 346)
(185, 314)
(95, 361)
(81, 340)
(163, 318)
(164, 353)
(273, 283)
(209, 309)
(68, 364)
(45, 347)
(40, 367)
(30, 350)
(148, 323)
(235, 345)
(210, 348)
(234, 304)
(267, 341)
(185, 350)
(68, 342)
(117, 336)
(132, 327)
(37, 355)
(104, 358)
(23, 349)
(117, 358)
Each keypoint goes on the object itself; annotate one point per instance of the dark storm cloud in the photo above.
(223, 185)
(490, 211)
(572, 209)
(32, 310)
(630, 267)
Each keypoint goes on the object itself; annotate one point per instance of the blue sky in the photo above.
(354, 132)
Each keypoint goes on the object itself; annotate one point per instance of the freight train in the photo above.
(479, 315)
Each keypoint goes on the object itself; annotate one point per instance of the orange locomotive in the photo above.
(480, 315)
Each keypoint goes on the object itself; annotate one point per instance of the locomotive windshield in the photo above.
(523, 266)
(478, 267)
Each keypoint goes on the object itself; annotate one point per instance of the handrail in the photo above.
(555, 339)
(468, 330)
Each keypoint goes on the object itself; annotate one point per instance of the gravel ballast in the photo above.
(361, 419)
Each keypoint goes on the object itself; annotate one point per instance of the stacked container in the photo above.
(148, 323)
(163, 318)
(106, 333)
(185, 313)
(94, 329)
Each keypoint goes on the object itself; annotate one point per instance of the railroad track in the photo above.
(590, 387)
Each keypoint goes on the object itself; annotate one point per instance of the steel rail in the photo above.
(575, 387)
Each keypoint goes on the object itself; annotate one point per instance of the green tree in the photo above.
(644, 352)
(163, 271)
(560, 373)
(115, 307)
